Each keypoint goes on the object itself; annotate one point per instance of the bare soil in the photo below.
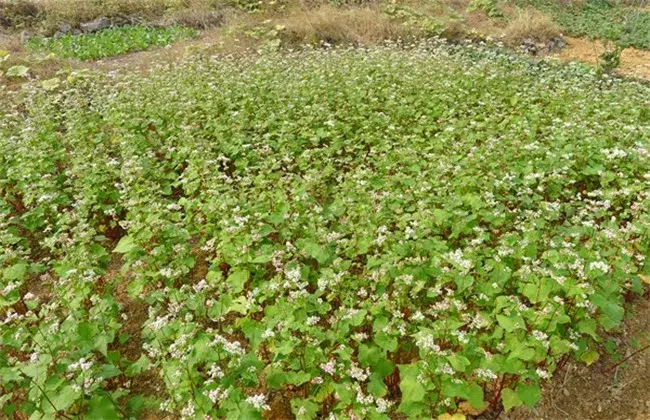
(604, 390)
(634, 62)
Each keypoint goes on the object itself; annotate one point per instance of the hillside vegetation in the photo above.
(413, 230)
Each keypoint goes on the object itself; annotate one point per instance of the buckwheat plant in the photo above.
(336, 233)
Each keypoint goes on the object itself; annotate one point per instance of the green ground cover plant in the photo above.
(600, 19)
(111, 42)
(343, 233)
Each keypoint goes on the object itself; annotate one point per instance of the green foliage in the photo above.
(414, 18)
(601, 19)
(487, 6)
(111, 42)
(610, 59)
(17, 71)
(384, 232)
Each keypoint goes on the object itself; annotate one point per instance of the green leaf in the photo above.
(304, 409)
(612, 312)
(529, 394)
(137, 367)
(458, 362)
(65, 397)
(475, 396)
(15, 272)
(590, 357)
(101, 407)
(125, 245)
(109, 371)
(297, 378)
(275, 377)
(376, 385)
(4, 398)
(237, 279)
(537, 292)
(510, 399)
(316, 251)
(588, 326)
(8, 375)
(239, 305)
(385, 341)
(17, 71)
(511, 324)
(253, 331)
(412, 390)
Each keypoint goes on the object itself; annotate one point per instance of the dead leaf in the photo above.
(466, 408)
(455, 416)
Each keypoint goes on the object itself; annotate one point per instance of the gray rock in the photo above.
(555, 44)
(65, 28)
(95, 25)
(529, 47)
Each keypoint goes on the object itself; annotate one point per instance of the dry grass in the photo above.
(49, 14)
(18, 13)
(335, 25)
(197, 18)
(76, 11)
(10, 43)
(530, 24)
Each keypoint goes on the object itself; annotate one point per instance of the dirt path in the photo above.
(602, 391)
(634, 62)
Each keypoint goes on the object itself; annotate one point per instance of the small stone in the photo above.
(528, 46)
(65, 28)
(555, 44)
(566, 392)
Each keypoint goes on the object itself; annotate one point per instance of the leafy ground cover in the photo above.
(346, 233)
(600, 19)
(111, 42)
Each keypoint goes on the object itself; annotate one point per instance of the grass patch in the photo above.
(600, 19)
(387, 231)
(111, 42)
